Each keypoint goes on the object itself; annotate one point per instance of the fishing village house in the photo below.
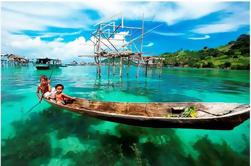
(13, 58)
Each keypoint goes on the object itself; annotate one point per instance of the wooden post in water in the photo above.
(121, 65)
(161, 67)
(137, 73)
(113, 66)
(100, 67)
(108, 70)
(146, 67)
(128, 65)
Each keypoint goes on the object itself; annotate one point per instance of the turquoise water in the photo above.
(49, 136)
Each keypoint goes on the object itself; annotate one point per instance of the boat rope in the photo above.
(216, 114)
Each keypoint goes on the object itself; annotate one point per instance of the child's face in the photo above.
(43, 81)
(59, 89)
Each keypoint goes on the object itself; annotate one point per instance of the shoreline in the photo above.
(150, 67)
(206, 68)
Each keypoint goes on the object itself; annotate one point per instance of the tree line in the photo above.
(233, 55)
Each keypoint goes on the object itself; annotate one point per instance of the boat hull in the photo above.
(46, 67)
(225, 122)
(42, 67)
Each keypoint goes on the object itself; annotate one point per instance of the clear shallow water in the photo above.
(69, 139)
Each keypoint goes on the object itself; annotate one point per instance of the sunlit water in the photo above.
(50, 136)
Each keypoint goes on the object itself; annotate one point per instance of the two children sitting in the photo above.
(54, 94)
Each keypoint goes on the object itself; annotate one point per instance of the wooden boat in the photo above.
(219, 116)
(63, 65)
(46, 63)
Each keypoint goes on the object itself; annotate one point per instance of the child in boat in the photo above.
(60, 97)
(44, 87)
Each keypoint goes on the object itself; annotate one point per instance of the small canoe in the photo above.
(218, 116)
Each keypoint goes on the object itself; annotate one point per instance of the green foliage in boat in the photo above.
(190, 112)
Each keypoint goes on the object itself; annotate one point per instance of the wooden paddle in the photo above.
(35, 105)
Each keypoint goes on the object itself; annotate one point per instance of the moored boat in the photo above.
(218, 116)
(47, 63)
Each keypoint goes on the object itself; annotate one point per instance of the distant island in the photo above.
(234, 55)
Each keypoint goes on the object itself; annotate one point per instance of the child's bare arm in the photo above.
(68, 97)
(49, 86)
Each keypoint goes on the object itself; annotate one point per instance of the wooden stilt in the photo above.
(137, 73)
(108, 68)
(100, 67)
(121, 65)
(146, 68)
(128, 65)
(113, 66)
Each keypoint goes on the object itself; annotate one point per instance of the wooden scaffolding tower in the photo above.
(112, 40)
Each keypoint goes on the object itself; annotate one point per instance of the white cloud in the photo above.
(18, 16)
(168, 33)
(169, 12)
(35, 47)
(236, 18)
(59, 39)
(57, 34)
(117, 41)
(216, 28)
(200, 38)
(188, 11)
(149, 44)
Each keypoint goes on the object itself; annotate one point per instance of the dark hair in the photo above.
(43, 77)
(59, 85)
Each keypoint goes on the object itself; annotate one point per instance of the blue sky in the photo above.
(62, 30)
